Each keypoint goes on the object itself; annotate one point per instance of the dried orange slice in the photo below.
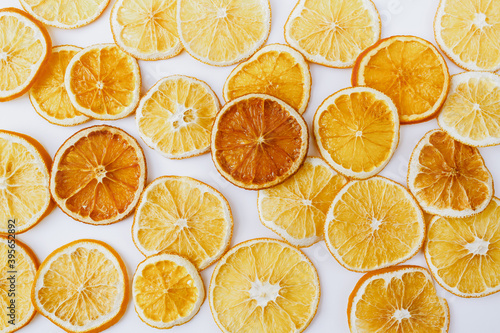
(223, 32)
(374, 223)
(24, 182)
(471, 113)
(264, 285)
(82, 287)
(24, 47)
(333, 32)
(175, 117)
(409, 70)
(463, 253)
(276, 70)
(146, 29)
(468, 33)
(168, 291)
(397, 299)
(103, 82)
(184, 216)
(449, 178)
(49, 96)
(19, 258)
(258, 141)
(296, 209)
(98, 175)
(357, 131)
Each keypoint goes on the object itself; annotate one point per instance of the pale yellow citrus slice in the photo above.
(24, 182)
(168, 291)
(176, 115)
(18, 267)
(408, 69)
(98, 175)
(468, 32)
(276, 70)
(24, 48)
(264, 285)
(333, 32)
(296, 209)
(463, 254)
(471, 113)
(357, 131)
(373, 224)
(82, 287)
(146, 29)
(65, 14)
(399, 299)
(184, 216)
(223, 32)
(449, 178)
(103, 82)
(48, 94)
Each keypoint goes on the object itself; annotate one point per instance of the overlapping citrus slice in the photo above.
(357, 131)
(471, 113)
(168, 291)
(264, 285)
(468, 32)
(146, 29)
(296, 209)
(258, 141)
(184, 216)
(49, 96)
(65, 14)
(409, 70)
(276, 70)
(18, 267)
(449, 178)
(82, 287)
(223, 32)
(333, 32)
(24, 47)
(463, 254)
(397, 299)
(372, 224)
(98, 175)
(103, 82)
(176, 116)
(24, 182)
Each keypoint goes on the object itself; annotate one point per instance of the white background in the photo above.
(414, 17)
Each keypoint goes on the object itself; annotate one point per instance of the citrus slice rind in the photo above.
(357, 131)
(264, 284)
(471, 112)
(162, 285)
(462, 253)
(266, 132)
(82, 287)
(175, 117)
(98, 175)
(24, 47)
(402, 298)
(24, 182)
(277, 70)
(146, 29)
(449, 178)
(48, 94)
(184, 216)
(64, 15)
(296, 209)
(333, 33)
(225, 32)
(25, 265)
(373, 224)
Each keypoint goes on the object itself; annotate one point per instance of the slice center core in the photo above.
(376, 224)
(478, 246)
(100, 173)
(221, 13)
(181, 223)
(3, 56)
(264, 292)
(399, 315)
(480, 21)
